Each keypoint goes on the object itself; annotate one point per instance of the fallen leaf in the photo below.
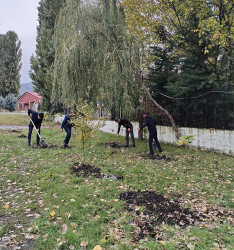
(102, 240)
(64, 229)
(52, 214)
(73, 224)
(190, 246)
(115, 200)
(83, 244)
(29, 236)
(97, 247)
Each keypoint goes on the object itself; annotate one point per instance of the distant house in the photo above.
(29, 100)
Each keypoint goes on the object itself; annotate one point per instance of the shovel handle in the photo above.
(35, 127)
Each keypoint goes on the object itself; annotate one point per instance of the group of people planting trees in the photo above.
(37, 118)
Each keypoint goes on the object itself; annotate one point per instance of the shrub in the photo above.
(10, 102)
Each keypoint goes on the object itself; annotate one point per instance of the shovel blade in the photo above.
(43, 144)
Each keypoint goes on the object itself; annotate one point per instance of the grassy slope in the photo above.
(61, 210)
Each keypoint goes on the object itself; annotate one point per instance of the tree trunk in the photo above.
(161, 109)
(140, 121)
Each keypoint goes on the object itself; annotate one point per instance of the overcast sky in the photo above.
(21, 16)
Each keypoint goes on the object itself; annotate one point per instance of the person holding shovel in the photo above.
(67, 125)
(150, 122)
(37, 119)
(129, 129)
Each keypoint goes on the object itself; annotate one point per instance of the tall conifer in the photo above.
(10, 63)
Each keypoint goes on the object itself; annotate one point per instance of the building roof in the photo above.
(28, 97)
(35, 94)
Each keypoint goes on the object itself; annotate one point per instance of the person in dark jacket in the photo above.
(37, 119)
(129, 129)
(150, 122)
(67, 125)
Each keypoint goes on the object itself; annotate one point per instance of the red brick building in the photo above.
(28, 100)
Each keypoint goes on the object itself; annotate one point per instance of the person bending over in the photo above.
(67, 125)
(129, 129)
(37, 119)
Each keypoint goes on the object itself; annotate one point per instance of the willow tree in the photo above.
(94, 55)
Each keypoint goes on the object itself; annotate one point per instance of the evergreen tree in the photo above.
(42, 62)
(189, 67)
(10, 63)
(10, 102)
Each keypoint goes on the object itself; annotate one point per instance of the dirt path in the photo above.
(12, 127)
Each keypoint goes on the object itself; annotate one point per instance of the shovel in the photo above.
(43, 144)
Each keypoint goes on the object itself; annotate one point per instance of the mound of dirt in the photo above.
(166, 210)
(85, 170)
(154, 210)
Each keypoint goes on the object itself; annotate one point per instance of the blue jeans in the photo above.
(68, 136)
(132, 136)
(155, 137)
(30, 129)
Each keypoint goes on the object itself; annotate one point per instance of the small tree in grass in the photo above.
(86, 123)
(185, 140)
(10, 102)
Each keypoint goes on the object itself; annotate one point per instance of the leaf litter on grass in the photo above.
(18, 214)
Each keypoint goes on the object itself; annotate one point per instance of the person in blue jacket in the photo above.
(67, 125)
(129, 129)
(150, 122)
(37, 119)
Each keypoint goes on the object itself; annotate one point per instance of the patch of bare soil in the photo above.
(154, 210)
(157, 157)
(112, 145)
(14, 131)
(85, 170)
(22, 136)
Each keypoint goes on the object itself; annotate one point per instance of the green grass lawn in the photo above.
(44, 205)
(17, 119)
(14, 119)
